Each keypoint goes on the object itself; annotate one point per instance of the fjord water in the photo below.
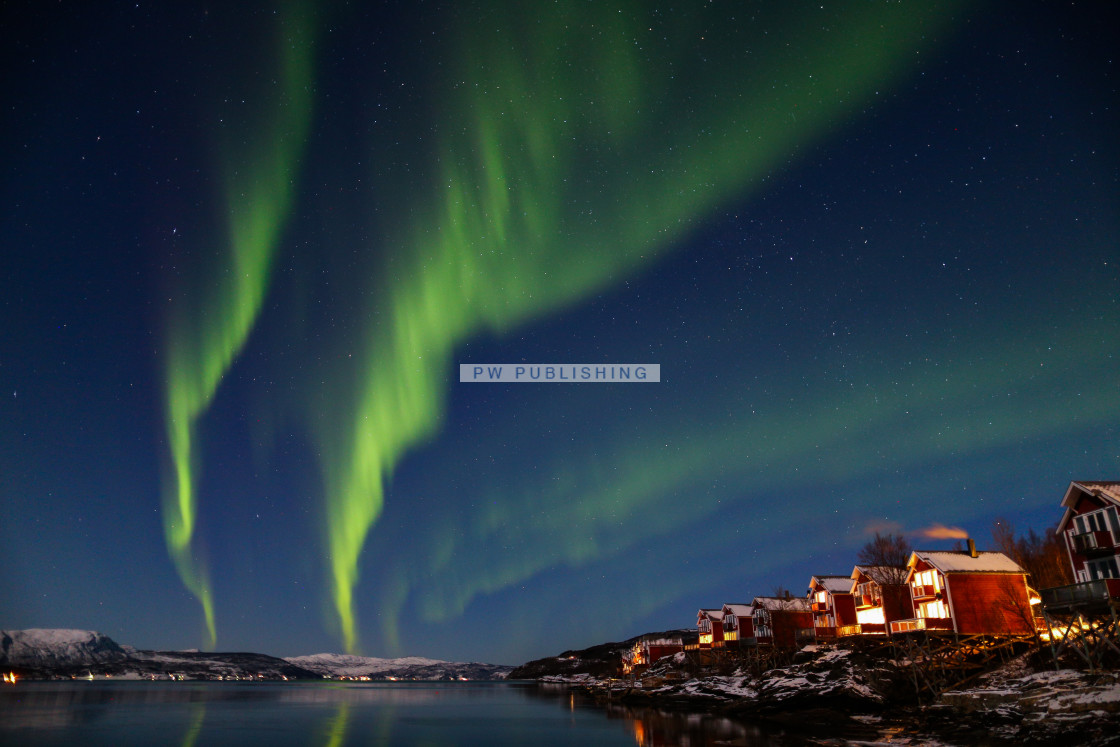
(333, 713)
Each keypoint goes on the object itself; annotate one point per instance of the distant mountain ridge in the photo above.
(347, 665)
(407, 668)
(57, 647)
(61, 653)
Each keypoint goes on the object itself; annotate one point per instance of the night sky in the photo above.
(872, 246)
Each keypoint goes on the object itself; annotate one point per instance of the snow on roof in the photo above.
(1109, 490)
(834, 584)
(963, 562)
(739, 610)
(800, 604)
(716, 615)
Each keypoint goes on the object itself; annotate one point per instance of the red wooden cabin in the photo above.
(881, 597)
(738, 625)
(967, 592)
(709, 623)
(1090, 528)
(830, 599)
(777, 620)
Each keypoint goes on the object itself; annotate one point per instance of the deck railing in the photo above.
(1088, 542)
(920, 590)
(921, 623)
(1089, 592)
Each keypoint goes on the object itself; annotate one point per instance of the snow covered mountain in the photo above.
(45, 648)
(407, 668)
(52, 653)
(48, 653)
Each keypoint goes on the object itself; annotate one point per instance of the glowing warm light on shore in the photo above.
(871, 616)
(10, 678)
(1062, 632)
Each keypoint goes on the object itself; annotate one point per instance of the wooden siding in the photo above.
(661, 650)
(989, 603)
(844, 608)
(897, 602)
(786, 623)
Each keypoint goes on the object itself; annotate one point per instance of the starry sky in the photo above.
(872, 246)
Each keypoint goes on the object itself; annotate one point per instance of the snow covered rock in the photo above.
(836, 675)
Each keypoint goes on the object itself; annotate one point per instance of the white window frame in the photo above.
(1107, 565)
(1099, 520)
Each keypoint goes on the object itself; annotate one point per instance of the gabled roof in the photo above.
(832, 584)
(1106, 491)
(798, 604)
(739, 610)
(713, 614)
(878, 573)
(949, 561)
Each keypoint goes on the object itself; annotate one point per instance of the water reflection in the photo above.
(336, 730)
(198, 715)
(655, 727)
(337, 714)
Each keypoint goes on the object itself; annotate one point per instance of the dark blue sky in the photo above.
(895, 310)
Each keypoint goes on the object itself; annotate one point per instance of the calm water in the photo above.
(328, 714)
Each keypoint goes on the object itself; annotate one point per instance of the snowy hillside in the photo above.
(344, 665)
(48, 653)
(53, 648)
(407, 668)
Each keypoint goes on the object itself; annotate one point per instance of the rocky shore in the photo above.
(850, 697)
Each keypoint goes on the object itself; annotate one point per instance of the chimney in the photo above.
(972, 548)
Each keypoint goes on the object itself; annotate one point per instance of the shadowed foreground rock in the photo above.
(841, 696)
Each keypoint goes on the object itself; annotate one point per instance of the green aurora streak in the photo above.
(207, 330)
(526, 527)
(579, 145)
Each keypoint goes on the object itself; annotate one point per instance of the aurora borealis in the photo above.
(872, 248)
(209, 326)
